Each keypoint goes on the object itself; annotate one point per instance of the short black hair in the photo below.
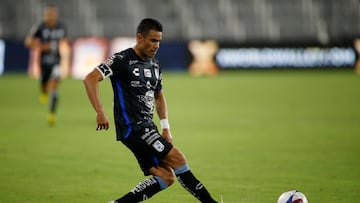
(148, 24)
(50, 5)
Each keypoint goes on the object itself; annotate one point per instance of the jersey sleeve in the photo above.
(35, 31)
(110, 66)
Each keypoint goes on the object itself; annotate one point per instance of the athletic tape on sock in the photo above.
(161, 182)
(182, 169)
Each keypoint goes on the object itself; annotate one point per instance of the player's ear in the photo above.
(139, 37)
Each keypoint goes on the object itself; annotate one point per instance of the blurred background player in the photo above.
(47, 38)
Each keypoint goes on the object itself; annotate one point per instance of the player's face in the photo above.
(51, 15)
(150, 43)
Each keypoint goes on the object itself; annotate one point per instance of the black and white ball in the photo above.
(292, 196)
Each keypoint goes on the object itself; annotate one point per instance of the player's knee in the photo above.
(165, 173)
(167, 178)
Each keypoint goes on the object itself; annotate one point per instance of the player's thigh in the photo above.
(148, 146)
(174, 158)
(45, 74)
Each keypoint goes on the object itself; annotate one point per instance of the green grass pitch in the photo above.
(248, 135)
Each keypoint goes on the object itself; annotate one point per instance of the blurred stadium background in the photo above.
(317, 24)
(279, 129)
(322, 21)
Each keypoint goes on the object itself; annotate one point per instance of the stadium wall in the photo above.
(197, 56)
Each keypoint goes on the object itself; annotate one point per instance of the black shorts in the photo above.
(48, 72)
(148, 146)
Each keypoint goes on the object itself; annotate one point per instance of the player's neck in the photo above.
(51, 24)
(139, 53)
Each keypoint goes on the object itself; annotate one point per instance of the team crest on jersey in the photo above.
(147, 73)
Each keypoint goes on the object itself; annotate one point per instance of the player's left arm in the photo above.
(31, 41)
(64, 42)
(161, 110)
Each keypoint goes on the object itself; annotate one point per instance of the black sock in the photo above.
(143, 191)
(53, 101)
(194, 186)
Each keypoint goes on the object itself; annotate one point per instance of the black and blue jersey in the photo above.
(52, 35)
(135, 82)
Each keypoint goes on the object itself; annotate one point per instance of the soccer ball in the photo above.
(292, 196)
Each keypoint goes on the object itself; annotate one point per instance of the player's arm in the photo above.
(65, 43)
(31, 40)
(34, 42)
(91, 83)
(161, 109)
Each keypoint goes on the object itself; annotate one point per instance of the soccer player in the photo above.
(137, 84)
(47, 36)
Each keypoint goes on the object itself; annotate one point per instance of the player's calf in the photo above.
(192, 184)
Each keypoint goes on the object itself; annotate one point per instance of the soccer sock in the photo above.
(193, 185)
(144, 190)
(53, 101)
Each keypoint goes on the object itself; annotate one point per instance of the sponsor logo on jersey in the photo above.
(148, 99)
(132, 62)
(105, 70)
(158, 146)
(55, 34)
(136, 72)
(136, 84)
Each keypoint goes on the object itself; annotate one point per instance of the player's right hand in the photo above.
(102, 121)
(167, 135)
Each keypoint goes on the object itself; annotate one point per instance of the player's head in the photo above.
(51, 14)
(148, 24)
(148, 37)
